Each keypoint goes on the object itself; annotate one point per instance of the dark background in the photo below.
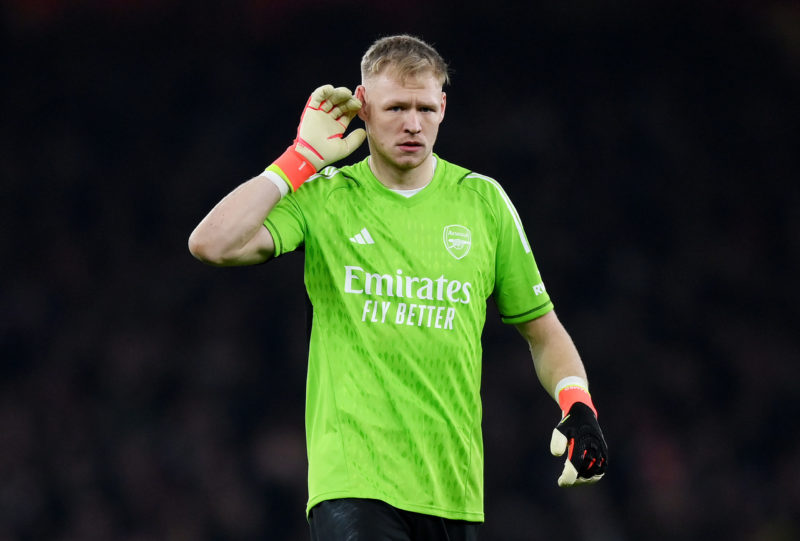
(650, 147)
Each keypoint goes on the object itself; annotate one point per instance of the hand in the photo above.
(579, 435)
(325, 118)
(319, 140)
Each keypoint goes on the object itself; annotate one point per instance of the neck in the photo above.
(403, 179)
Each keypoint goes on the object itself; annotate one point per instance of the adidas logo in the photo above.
(362, 237)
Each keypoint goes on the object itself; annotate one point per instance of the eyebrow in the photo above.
(407, 104)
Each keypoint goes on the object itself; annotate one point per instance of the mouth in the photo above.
(410, 146)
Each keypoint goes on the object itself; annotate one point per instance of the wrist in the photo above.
(292, 167)
(573, 389)
(280, 182)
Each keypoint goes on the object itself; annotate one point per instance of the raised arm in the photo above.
(233, 233)
(561, 372)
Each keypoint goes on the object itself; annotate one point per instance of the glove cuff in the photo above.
(571, 390)
(293, 167)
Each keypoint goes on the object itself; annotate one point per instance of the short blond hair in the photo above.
(407, 55)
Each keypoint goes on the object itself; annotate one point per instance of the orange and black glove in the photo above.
(579, 436)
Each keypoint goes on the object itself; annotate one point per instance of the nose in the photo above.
(412, 122)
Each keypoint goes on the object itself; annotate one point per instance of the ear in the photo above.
(444, 104)
(361, 94)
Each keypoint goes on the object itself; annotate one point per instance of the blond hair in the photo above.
(406, 55)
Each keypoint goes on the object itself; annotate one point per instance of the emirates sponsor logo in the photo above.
(416, 301)
(363, 282)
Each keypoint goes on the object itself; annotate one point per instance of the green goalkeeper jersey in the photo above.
(399, 287)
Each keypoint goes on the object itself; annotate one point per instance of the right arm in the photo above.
(233, 233)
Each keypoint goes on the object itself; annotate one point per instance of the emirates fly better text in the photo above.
(358, 281)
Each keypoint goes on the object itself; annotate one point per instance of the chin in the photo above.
(411, 162)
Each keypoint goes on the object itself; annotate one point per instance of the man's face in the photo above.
(402, 117)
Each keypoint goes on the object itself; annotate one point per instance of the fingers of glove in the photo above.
(589, 461)
(320, 95)
(586, 480)
(568, 476)
(354, 140)
(345, 112)
(558, 443)
(335, 98)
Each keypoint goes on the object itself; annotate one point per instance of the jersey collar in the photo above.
(373, 184)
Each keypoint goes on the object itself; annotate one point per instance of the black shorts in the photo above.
(354, 519)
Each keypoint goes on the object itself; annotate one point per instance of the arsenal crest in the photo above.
(457, 240)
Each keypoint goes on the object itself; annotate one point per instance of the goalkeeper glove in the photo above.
(579, 435)
(319, 139)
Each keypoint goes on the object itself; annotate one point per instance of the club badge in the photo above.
(457, 240)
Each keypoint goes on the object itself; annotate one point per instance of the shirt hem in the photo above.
(276, 237)
(537, 312)
(469, 516)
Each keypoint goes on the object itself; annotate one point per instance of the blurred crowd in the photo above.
(652, 154)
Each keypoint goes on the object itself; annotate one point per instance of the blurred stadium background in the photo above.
(652, 149)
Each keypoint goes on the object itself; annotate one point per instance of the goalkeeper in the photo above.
(402, 251)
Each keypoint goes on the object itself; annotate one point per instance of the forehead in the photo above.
(390, 84)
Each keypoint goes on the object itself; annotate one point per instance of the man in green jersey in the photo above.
(402, 251)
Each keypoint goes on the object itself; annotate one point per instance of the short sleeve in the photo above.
(287, 225)
(519, 291)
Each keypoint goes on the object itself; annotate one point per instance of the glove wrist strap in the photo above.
(277, 179)
(573, 389)
(293, 167)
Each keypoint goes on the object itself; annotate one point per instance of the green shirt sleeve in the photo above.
(519, 290)
(287, 223)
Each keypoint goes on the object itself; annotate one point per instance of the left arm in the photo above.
(561, 372)
(554, 354)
